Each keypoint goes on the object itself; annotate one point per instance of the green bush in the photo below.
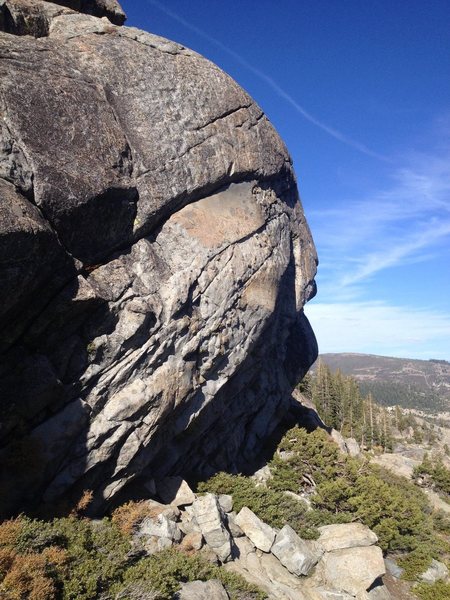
(271, 505)
(164, 572)
(416, 562)
(441, 522)
(349, 489)
(95, 554)
(77, 559)
(436, 591)
(434, 473)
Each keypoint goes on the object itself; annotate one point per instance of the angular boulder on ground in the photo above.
(298, 556)
(437, 571)
(353, 448)
(226, 502)
(174, 490)
(261, 534)
(265, 571)
(153, 322)
(393, 568)
(378, 592)
(348, 535)
(352, 570)
(192, 541)
(158, 533)
(210, 521)
(202, 590)
(188, 522)
(232, 526)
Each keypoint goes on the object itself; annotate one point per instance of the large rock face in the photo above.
(154, 257)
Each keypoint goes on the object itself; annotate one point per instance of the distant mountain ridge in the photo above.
(412, 383)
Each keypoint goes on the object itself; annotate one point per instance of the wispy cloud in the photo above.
(406, 250)
(389, 227)
(281, 93)
(379, 328)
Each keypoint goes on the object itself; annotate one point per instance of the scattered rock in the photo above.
(352, 570)
(226, 502)
(353, 447)
(349, 535)
(158, 534)
(378, 592)
(436, 571)
(209, 518)
(188, 522)
(293, 552)
(262, 475)
(338, 438)
(174, 490)
(156, 509)
(192, 541)
(393, 568)
(232, 526)
(261, 534)
(202, 590)
(398, 464)
(437, 502)
(320, 593)
(265, 571)
(302, 499)
(285, 455)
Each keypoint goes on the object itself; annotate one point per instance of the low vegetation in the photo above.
(78, 559)
(434, 474)
(311, 484)
(436, 591)
(271, 505)
(340, 489)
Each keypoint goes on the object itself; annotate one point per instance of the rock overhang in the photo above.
(165, 329)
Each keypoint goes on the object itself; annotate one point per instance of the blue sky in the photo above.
(360, 93)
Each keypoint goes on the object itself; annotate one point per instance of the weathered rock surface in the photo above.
(192, 541)
(211, 523)
(435, 572)
(265, 571)
(155, 260)
(202, 590)
(353, 447)
(260, 534)
(174, 490)
(352, 570)
(347, 566)
(34, 17)
(393, 568)
(298, 556)
(377, 592)
(397, 463)
(349, 535)
(226, 502)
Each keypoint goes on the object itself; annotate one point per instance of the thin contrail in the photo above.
(270, 82)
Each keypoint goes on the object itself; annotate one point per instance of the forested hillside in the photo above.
(342, 404)
(419, 384)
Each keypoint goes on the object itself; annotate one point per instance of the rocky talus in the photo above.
(154, 260)
(342, 564)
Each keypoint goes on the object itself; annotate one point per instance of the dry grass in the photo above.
(128, 516)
